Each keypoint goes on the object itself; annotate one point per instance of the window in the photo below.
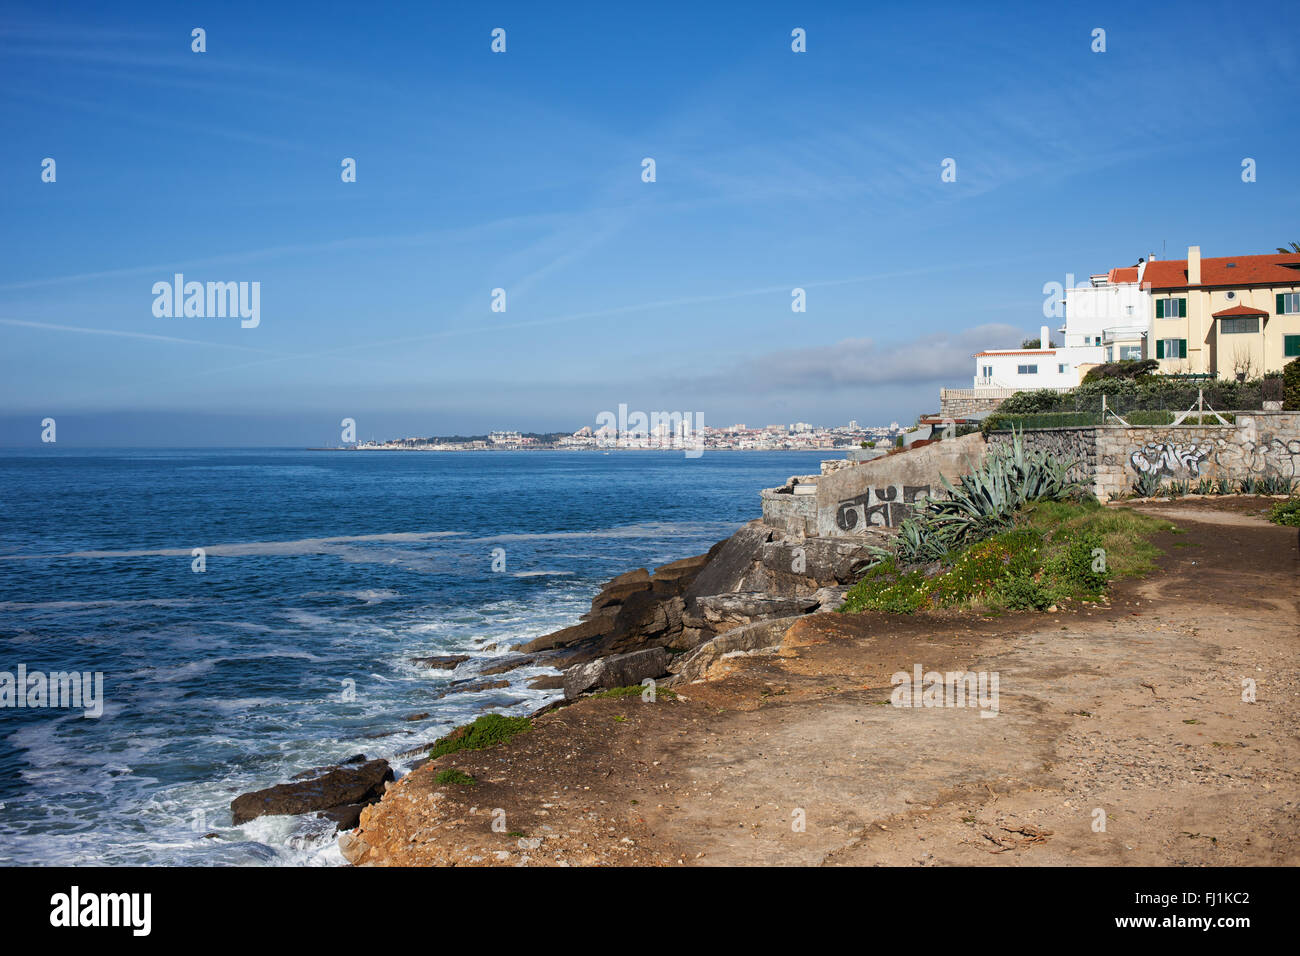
(1026, 369)
(1171, 348)
(1171, 308)
(1290, 345)
(986, 371)
(1237, 326)
(1130, 352)
(1062, 368)
(1288, 303)
(1096, 340)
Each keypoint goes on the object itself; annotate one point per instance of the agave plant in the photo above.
(1205, 486)
(1146, 486)
(985, 501)
(1176, 489)
(1249, 485)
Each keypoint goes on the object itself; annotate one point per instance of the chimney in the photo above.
(1044, 340)
(1193, 265)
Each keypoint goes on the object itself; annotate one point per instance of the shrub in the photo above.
(1074, 571)
(487, 731)
(1125, 369)
(1291, 385)
(1021, 592)
(886, 588)
(1286, 513)
(453, 776)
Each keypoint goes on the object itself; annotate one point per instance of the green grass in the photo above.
(1057, 551)
(1286, 513)
(453, 776)
(487, 731)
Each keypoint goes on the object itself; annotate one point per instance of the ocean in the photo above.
(322, 575)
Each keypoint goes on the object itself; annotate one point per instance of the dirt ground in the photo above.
(1121, 738)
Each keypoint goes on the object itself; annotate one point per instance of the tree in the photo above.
(1295, 247)
(1037, 343)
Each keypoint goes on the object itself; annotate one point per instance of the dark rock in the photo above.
(346, 817)
(620, 670)
(472, 687)
(420, 716)
(584, 631)
(357, 783)
(444, 662)
(507, 665)
(547, 682)
(824, 562)
(612, 594)
(728, 566)
(722, 612)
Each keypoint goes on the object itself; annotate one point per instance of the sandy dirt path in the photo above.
(1130, 714)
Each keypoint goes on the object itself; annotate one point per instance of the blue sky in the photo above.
(522, 171)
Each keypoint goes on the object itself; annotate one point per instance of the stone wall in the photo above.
(1258, 444)
(1068, 444)
(794, 514)
(964, 402)
(853, 500)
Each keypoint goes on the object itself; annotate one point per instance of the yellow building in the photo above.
(1232, 317)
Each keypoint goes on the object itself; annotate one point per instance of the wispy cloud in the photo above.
(121, 333)
(862, 362)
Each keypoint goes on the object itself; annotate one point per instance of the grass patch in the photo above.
(1056, 551)
(487, 731)
(635, 690)
(453, 776)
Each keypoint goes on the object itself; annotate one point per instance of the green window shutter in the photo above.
(1291, 345)
(1160, 348)
(1182, 347)
(1160, 308)
(1280, 296)
(1182, 308)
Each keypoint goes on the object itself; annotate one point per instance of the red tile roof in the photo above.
(1276, 269)
(1238, 310)
(1017, 352)
(1123, 275)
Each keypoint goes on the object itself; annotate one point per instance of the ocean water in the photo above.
(326, 572)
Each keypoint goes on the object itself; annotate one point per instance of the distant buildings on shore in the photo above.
(793, 437)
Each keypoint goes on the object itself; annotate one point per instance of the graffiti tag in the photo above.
(879, 507)
(1165, 458)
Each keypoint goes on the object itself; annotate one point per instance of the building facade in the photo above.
(1230, 317)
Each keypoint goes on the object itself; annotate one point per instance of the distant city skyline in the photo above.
(500, 257)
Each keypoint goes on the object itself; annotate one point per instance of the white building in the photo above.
(1112, 311)
(1032, 368)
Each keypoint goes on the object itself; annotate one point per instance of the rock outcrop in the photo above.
(338, 792)
(620, 670)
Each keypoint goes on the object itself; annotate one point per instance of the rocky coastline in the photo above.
(668, 626)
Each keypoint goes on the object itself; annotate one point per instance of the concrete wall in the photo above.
(881, 492)
(1112, 457)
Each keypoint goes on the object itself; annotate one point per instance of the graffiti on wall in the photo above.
(1244, 453)
(879, 507)
(1165, 458)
